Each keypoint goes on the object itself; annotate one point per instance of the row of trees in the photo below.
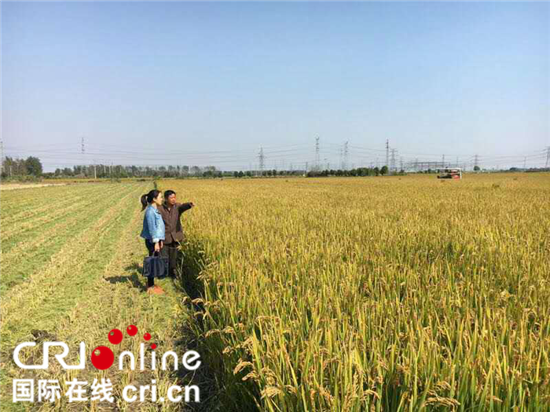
(119, 171)
(360, 171)
(267, 173)
(31, 167)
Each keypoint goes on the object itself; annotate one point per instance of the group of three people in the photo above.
(162, 229)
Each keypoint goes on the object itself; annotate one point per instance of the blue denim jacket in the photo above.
(153, 225)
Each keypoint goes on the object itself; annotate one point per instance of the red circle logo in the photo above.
(115, 336)
(102, 357)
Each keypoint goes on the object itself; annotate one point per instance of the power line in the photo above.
(90, 154)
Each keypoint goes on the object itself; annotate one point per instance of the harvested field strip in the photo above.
(36, 205)
(105, 292)
(27, 257)
(20, 233)
(20, 201)
(13, 186)
(16, 234)
(53, 291)
(121, 289)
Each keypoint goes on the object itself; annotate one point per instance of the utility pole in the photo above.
(317, 155)
(524, 162)
(476, 161)
(401, 160)
(547, 156)
(393, 164)
(346, 153)
(82, 150)
(1, 157)
(443, 162)
(388, 153)
(261, 158)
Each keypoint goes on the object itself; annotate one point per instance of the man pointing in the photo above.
(171, 211)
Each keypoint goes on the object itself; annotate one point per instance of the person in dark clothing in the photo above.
(171, 212)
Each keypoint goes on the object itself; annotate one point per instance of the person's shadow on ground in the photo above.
(134, 278)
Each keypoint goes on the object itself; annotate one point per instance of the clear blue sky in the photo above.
(209, 83)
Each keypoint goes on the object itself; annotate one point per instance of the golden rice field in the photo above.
(335, 294)
(379, 294)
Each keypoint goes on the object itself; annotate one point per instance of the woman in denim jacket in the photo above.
(153, 231)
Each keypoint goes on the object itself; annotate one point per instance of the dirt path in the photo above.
(16, 186)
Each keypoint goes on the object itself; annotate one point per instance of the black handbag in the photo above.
(155, 266)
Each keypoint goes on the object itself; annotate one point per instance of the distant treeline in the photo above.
(122, 171)
(31, 169)
(119, 171)
(360, 171)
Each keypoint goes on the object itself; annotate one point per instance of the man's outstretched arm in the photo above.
(182, 207)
